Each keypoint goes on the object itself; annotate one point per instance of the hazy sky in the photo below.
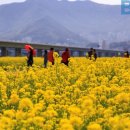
(10, 1)
(112, 2)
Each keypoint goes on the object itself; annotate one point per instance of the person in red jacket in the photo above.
(65, 57)
(50, 56)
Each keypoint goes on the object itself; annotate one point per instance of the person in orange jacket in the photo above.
(65, 57)
(50, 56)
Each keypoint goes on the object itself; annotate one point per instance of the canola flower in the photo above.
(86, 95)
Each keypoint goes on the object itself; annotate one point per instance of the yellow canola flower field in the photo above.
(86, 95)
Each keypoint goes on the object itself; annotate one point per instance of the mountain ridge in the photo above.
(83, 22)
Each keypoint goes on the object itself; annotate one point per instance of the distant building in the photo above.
(103, 45)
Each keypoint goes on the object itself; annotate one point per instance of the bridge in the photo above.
(9, 48)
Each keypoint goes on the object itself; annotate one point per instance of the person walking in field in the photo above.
(65, 57)
(90, 53)
(45, 58)
(126, 54)
(94, 54)
(30, 57)
(50, 56)
(30, 53)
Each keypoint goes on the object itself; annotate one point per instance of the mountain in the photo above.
(54, 21)
(49, 31)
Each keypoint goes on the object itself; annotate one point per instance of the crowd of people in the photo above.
(49, 56)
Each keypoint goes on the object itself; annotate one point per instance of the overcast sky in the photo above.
(112, 2)
(10, 1)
